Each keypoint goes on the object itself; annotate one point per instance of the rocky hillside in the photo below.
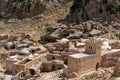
(82, 10)
(34, 22)
(42, 17)
(27, 8)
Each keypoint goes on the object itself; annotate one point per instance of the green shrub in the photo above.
(14, 9)
(89, 77)
(50, 29)
(2, 15)
(66, 61)
(101, 11)
(113, 8)
(118, 8)
(104, 1)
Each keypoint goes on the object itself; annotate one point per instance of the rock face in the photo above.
(3, 4)
(82, 10)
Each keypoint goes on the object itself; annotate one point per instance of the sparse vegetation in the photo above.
(104, 1)
(2, 15)
(112, 78)
(113, 8)
(50, 29)
(89, 77)
(66, 61)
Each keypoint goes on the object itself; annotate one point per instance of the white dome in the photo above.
(24, 52)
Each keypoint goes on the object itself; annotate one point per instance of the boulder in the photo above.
(10, 45)
(88, 27)
(95, 32)
(116, 25)
(47, 38)
(4, 36)
(56, 33)
(76, 35)
(64, 33)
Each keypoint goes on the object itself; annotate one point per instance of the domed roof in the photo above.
(24, 52)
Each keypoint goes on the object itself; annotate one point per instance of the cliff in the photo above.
(83, 10)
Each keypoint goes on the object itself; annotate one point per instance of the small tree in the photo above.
(66, 61)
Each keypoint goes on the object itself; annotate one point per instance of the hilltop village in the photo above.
(24, 59)
(59, 39)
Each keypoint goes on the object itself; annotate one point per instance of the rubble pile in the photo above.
(84, 30)
(104, 74)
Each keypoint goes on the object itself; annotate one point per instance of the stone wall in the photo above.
(47, 67)
(9, 65)
(93, 46)
(73, 64)
(54, 56)
(110, 59)
(81, 65)
(89, 63)
(25, 67)
(117, 69)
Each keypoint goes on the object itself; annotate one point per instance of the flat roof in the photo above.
(80, 55)
(103, 52)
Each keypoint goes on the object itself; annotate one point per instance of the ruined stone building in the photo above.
(97, 53)
(52, 65)
(26, 65)
(23, 61)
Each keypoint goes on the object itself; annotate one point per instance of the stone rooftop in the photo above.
(103, 52)
(80, 55)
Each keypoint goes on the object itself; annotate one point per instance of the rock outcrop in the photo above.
(84, 30)
(82, 10)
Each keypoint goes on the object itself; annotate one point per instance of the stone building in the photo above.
(52, 65)
(86, 61)
(25, 65)
(23, 61)
(97, 53)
